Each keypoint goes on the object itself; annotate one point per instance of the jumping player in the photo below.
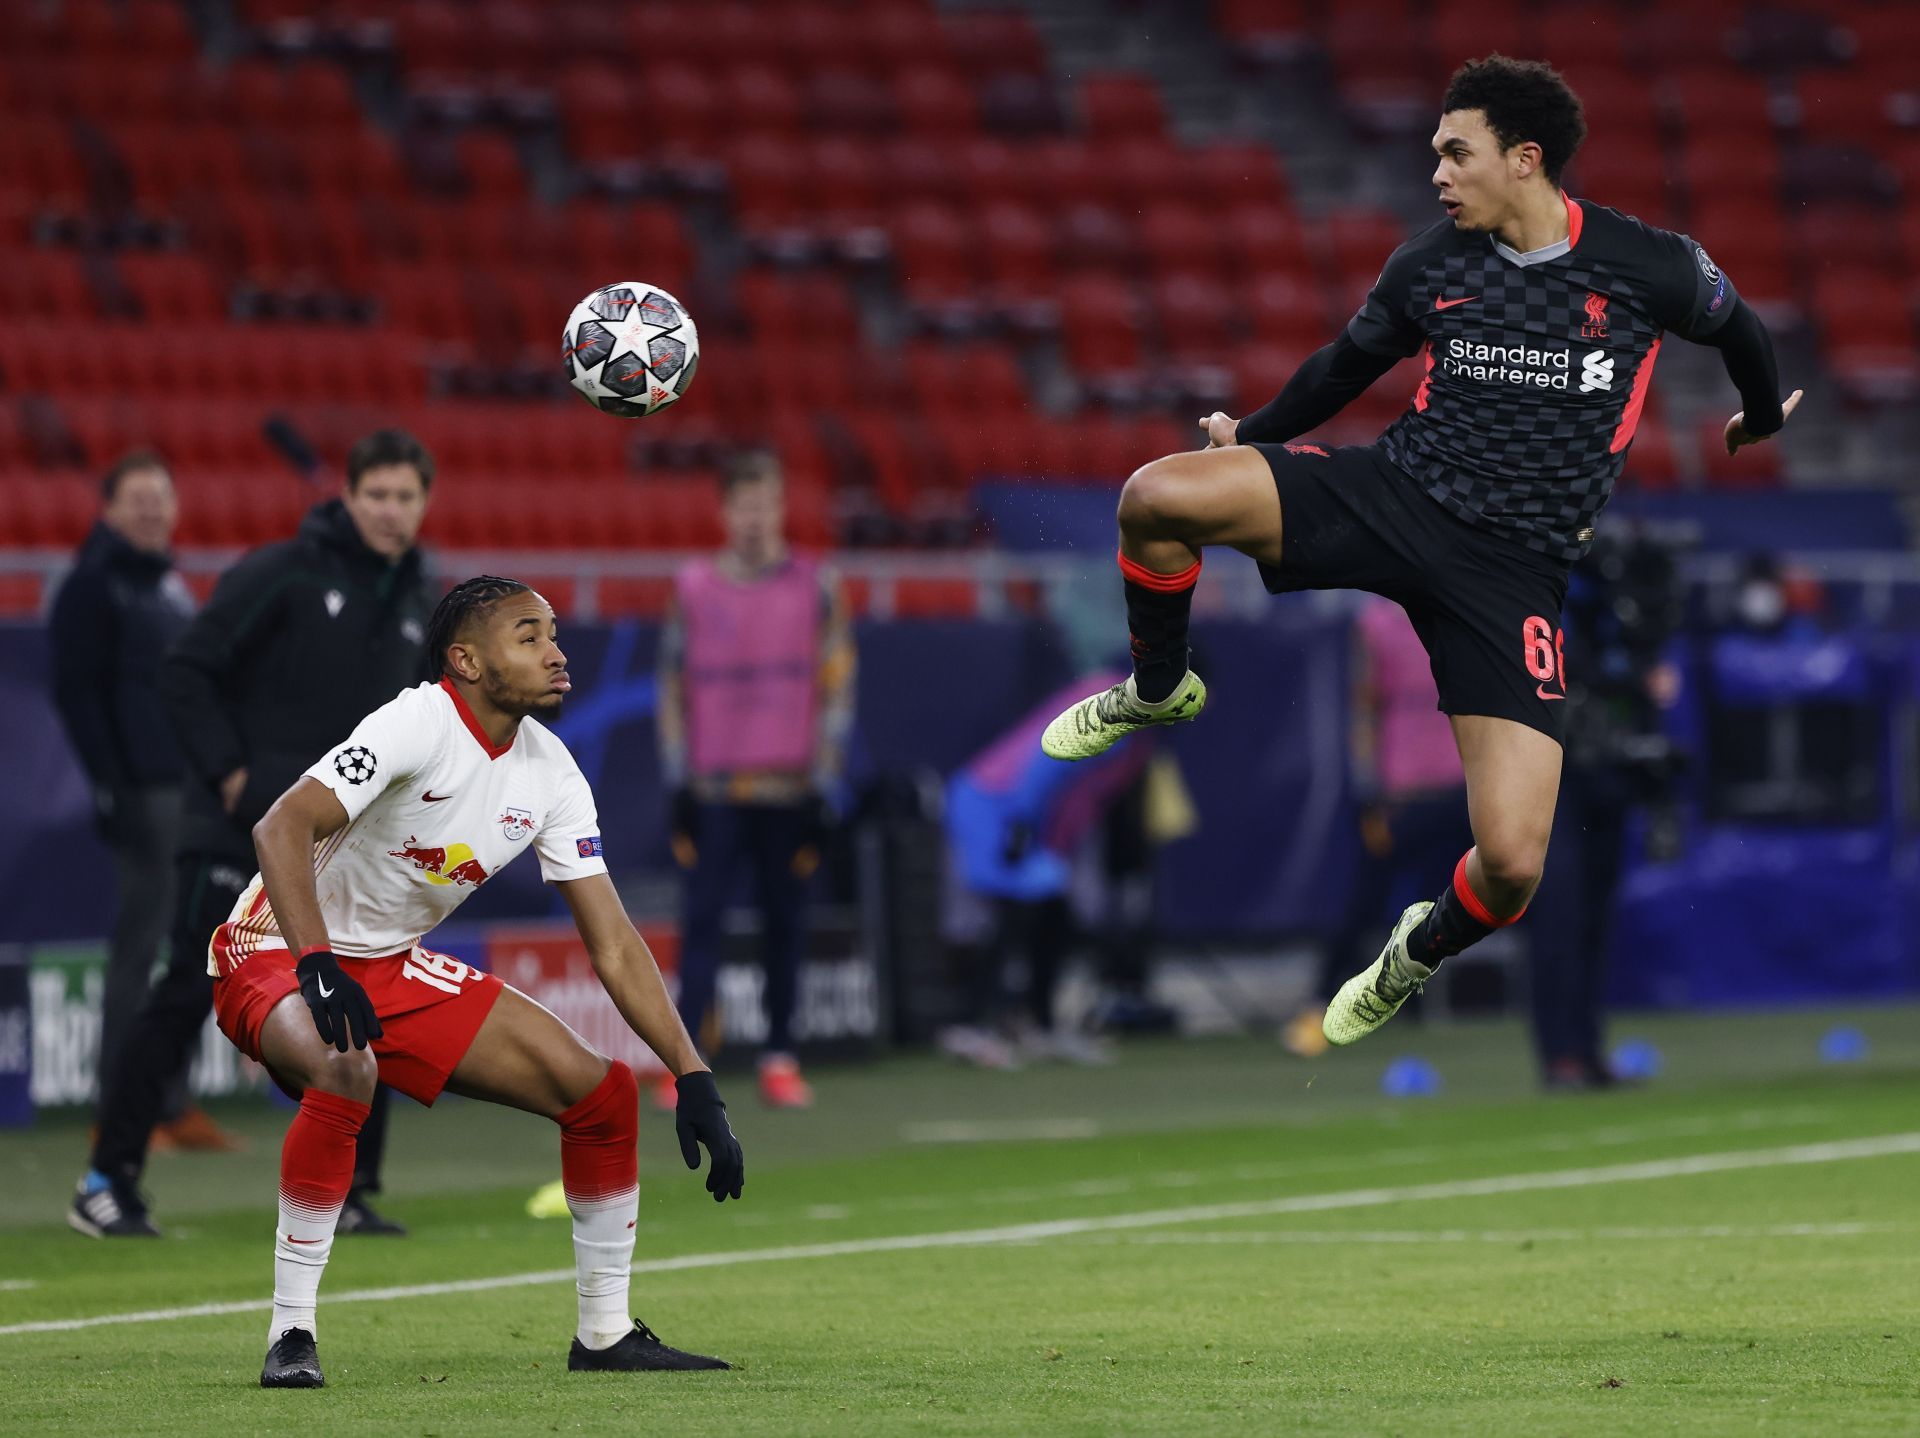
(1540, 318)
(320, 974)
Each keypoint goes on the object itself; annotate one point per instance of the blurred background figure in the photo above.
(756, 699)
(299, 641)
(116, 614)
(1623, 608)
(1016, 822)
(1412, 797)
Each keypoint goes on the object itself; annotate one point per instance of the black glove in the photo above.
(702, 1119)
(340, 1007)
(683, 826)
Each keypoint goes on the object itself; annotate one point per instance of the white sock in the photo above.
(603, 1260)
(301, 1246)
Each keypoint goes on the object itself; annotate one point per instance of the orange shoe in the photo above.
(196, 1132)
(781, 1085)
(666, 1093)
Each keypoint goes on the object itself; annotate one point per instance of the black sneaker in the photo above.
(293, 1362)
(639, 1352)
(116, 1211)
(359, 1216)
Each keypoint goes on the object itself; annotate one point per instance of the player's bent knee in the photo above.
(353, 1074)
(1513, 866)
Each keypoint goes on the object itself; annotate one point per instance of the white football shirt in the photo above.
(433, 811)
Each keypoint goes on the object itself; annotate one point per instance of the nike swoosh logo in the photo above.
(1542, 692)
(325, 992)
(1439, 305)
(292, 1239)
(433, 798)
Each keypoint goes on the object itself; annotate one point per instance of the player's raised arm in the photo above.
(1747, 352)
(632, 980)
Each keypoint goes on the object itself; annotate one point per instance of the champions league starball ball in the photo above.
(630, 349)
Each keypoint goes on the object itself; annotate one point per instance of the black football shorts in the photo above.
(1487, 608)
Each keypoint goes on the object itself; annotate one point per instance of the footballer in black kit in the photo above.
(1540, 318)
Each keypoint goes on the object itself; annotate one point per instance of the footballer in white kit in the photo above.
(320, 972)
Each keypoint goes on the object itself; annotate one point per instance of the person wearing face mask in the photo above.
(299, 640)
(116, 613)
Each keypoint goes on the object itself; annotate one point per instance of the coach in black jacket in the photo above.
(299, 642)
(118, 611)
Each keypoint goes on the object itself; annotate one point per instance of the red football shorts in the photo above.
(430, 1008)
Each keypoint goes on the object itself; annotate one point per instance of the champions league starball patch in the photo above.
(356, 765)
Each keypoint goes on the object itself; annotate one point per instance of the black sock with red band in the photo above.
(1458, 920)
(1158, 607)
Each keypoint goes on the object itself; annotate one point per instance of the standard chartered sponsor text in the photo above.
(1508, 364)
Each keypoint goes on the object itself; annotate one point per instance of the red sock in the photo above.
(600, 1171)
(316, 1170)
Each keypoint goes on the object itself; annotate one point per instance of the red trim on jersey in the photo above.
(1630, 417)
(494, 751)
(1160, 583)
(1574, 219)
(1426, 381)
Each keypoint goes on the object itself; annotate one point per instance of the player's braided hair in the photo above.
(469, 600)
(1522, 100)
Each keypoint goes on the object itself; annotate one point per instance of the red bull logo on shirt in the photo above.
(454, 864)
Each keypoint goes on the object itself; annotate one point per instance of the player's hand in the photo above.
(702, 1119)
(341, 1010)
(816, 825)
(1221, 431)
(231, 788)
(683, 827)
(1737, 426)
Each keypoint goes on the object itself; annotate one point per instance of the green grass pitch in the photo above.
(1210, 1238)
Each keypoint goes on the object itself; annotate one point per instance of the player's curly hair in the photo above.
(1522, 100)
(468, 601)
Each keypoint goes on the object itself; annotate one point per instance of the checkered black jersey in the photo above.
(1537, 364)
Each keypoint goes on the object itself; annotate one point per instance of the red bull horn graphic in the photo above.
(451, 865)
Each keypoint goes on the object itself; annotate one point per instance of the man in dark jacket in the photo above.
(299, 641)
(118, 611)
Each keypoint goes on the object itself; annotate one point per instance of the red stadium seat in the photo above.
(1850, 107)
(1191, 317)
(993, 41)
(1017, 244)
(1229, 174)
(934, 100)
(1563, 34)
(1121, 107)
(1100, 324)
(850, 101)
(758, 97)
(1266, 238)
(1266, 28)
(1717, 99)
(1182, 238)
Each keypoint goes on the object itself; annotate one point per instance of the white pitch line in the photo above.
(1004, 1130)
(1257, 1237)
(1882, 1146)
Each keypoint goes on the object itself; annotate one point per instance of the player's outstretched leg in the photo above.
(1513, 777)
(526, 1058)
(1169, 511)
(316, 1169)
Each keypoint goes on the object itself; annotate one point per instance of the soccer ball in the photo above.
(630, 349)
